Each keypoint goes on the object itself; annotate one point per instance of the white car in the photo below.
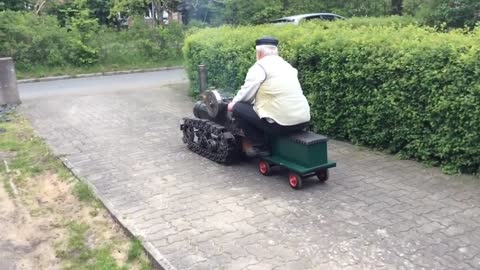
(307, 17)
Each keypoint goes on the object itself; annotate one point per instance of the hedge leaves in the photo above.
(385, 83)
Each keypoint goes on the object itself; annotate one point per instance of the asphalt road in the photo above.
(102, 84)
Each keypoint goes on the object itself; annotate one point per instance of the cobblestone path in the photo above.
(375, 212)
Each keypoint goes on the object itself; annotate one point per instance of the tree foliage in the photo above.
(135, 7)
(454, 13)
(40, 41)
(13, 5)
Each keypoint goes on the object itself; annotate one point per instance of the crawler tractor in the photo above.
(214, 134)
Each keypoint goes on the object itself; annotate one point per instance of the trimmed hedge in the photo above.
(393, 86)
(229, 51)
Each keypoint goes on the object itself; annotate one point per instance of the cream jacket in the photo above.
(272, 86)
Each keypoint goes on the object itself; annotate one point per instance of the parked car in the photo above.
(308, 17)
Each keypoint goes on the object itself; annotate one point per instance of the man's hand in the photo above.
(230, 106)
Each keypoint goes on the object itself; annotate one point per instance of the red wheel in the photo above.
(322, 175)
(295, 180)
(264, 167)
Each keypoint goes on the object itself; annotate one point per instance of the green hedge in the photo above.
(393, 86)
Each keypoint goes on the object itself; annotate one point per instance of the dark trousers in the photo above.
(255, 128)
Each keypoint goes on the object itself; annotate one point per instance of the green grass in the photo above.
(76, 242)
(83, 192)
(32, 156)
(45, 71)
(135, 250)
(78, 255)
(104, 261)
(145, 265)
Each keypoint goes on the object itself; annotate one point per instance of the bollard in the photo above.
(203, 77)
(8, 83)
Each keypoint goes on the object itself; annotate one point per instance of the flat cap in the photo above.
(268, 40)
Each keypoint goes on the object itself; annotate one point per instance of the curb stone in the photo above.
(98, 74)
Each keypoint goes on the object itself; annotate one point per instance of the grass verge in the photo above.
(56, 214)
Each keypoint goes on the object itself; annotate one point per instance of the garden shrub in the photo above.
(161, 42)
(400, 87)
(32, 39)
(39, 41)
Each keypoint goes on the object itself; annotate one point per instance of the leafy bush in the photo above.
(451, 13)
(39, 41)
(407, 89)
(356, 22)
(31, 39)
(162, 42)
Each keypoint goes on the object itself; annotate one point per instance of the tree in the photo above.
(165, 5)
(136, 7)
(128, 7)
(454, 13)
(411, 7)
(100, 9)
(14, 5)
(397, 7)
(204, 11)
(252, 11)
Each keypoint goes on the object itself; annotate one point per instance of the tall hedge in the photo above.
(393, 86)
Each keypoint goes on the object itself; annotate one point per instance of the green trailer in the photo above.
(304, 154)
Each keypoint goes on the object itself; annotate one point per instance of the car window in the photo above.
(282, 21)
(329, 17)
(316, 17)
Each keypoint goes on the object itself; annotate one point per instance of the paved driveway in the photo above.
(376, 212)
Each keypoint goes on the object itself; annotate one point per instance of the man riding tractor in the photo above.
(271, 100)
(269, 119)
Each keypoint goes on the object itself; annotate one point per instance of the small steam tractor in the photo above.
(214, 134)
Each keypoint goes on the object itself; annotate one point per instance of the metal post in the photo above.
(8, 83)
(203, 77)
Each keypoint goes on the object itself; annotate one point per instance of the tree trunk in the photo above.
(155, 13)
(397, 7)
(39, 5)
(160, 16)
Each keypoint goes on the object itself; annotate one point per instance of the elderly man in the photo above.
(271, 99)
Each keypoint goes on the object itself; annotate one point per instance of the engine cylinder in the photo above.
(200, 110)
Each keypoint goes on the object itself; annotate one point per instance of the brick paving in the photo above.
(375, 212)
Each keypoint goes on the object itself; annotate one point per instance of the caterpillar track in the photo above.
(210, 140)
